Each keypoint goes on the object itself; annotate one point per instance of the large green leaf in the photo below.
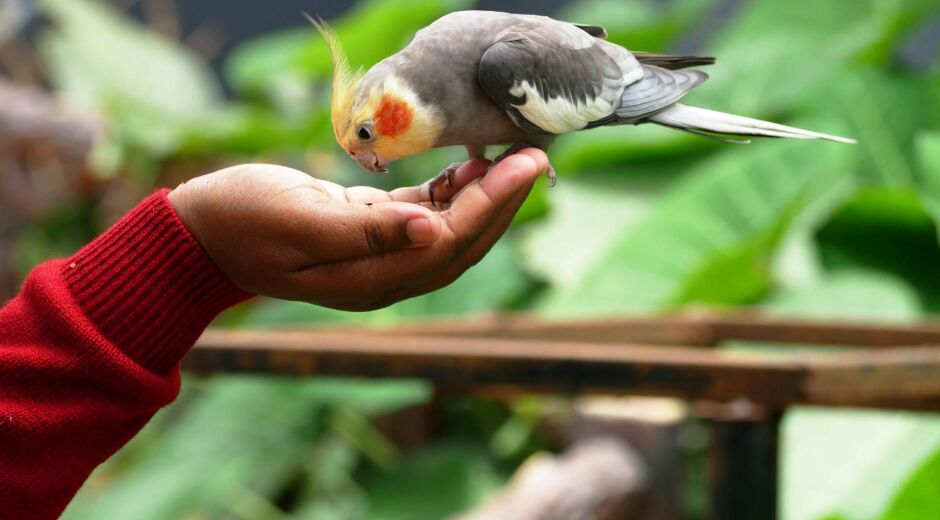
(586, 215)
(885, 113)
(858, 295)
(778, 54)
(712, 237)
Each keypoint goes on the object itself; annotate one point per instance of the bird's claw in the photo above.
(446, 176)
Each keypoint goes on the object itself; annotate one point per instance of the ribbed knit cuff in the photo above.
(149, 286)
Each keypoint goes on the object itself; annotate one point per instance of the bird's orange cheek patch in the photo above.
(393, 117)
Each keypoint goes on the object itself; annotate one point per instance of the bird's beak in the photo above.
(370, 161)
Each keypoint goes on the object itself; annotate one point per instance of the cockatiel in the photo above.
(478, 78)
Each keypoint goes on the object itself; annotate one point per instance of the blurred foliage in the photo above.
(152, 90)
(918, 497)
(643, 220)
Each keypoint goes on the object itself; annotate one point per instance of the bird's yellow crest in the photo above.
(345, 80)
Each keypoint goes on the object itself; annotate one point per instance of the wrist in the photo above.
(180, 200)
(148, 286)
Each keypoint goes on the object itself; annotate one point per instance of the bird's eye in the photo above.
(365, 132)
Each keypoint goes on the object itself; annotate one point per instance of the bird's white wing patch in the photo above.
(558, 115)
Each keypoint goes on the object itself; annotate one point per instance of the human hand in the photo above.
(278, 232)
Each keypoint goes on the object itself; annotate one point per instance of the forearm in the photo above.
(90, 349)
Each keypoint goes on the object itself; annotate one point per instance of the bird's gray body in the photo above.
(457, 42)
(500, 78)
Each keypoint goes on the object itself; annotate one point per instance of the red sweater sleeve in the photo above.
(90, 349)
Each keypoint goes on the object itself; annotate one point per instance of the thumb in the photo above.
(349, 231)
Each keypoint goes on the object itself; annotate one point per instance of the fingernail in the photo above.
(420, 231)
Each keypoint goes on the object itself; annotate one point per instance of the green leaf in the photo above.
(369, 397)
(563, 246)
(918, 498)
(927, 146)
(451, 477)
(712, 238)
(849, 294)
(888, 230)
(850, 462)
(330, 490)
(885, 112)
(355, 429)
(776, 54)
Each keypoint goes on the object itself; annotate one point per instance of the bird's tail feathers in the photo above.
(706, 122)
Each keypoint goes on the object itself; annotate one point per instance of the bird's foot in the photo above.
(445, 177)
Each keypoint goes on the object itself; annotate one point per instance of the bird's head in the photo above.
(377, 118)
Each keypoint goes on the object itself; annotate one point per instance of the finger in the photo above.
(478, 249)
(464, 175)
(478, 203)
(338, 231)
(538, 155)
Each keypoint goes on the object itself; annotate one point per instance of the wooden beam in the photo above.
(682, 329)
(757, 328)
(482, 363)
(690, 328)
(494, 365)
(859, 377)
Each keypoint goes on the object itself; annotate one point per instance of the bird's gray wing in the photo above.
(554, 77)
(658, 89)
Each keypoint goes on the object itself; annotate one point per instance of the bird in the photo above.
(485, 78)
